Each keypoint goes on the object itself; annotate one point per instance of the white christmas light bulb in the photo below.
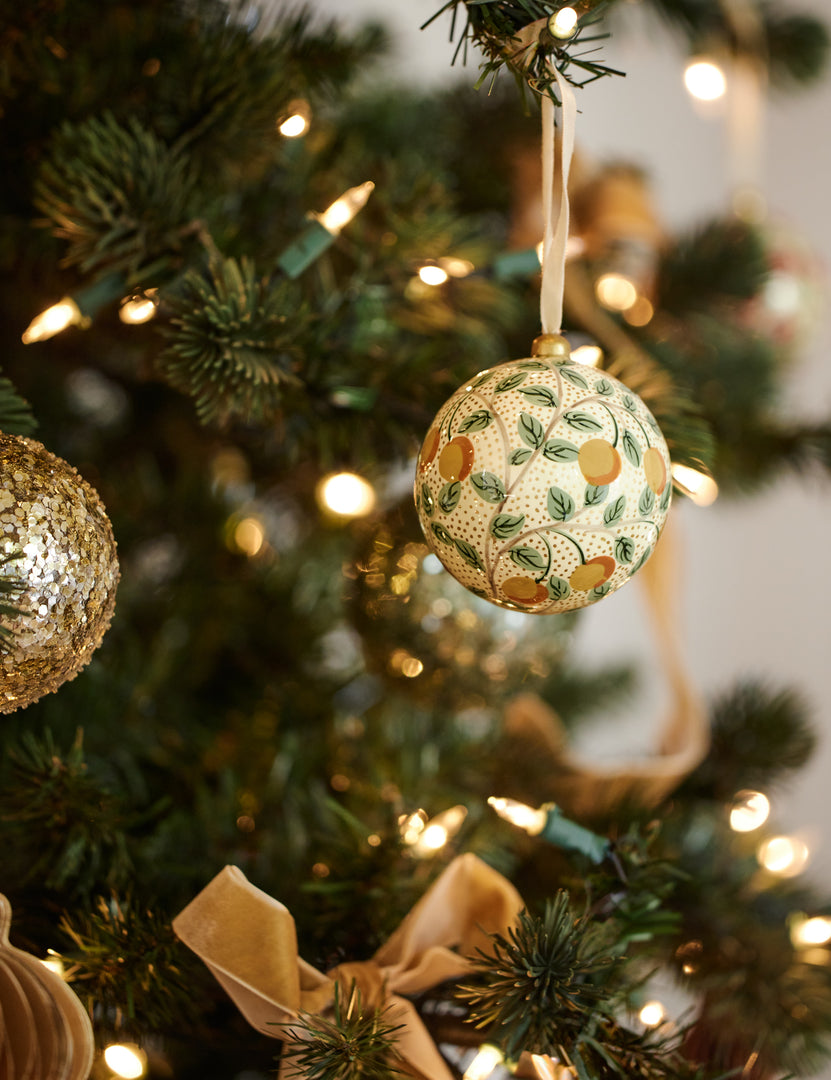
(342, 210)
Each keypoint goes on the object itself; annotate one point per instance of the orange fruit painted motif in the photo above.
(429, 447)
(456, 460)
(524, 590)
(599, 462)
(655, 469)
(592, 573)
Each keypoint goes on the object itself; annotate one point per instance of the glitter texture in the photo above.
(69, 570)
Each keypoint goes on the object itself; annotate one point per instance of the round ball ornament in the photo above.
(543, 485)
(58, 571)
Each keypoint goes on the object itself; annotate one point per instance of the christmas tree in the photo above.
(242, 277)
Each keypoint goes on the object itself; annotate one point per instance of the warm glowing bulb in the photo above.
(347, 494)
(294, 125)
(750, 810)
(640, 313)
(54, 963)
(486, 1060)
(439, 830)
(432, 275)
(51, 321)
(783, 855)
(705, 80)
(563, 23)
(249, 536)
(591, 355)
(138, 309)
(342, 210)
(544, 1067)
(652, 1014)
(457, 267)
(616, 292)
(524, 817)
(816, 931)
(698, 486)
(126, 1060)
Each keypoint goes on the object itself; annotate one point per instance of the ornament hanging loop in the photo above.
(555, 203)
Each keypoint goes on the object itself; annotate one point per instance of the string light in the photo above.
(652, 1014)
(296, 121)
(524, 817)
(438, 830)
(249, 536)
(563, 24)
(51, 321)
(784, 856)
(486, 1060)
(126, 1060)
(750, 810)
(698, 486)
(54, 963)
(456, 267)
(615, 292)
(640, 313)
(342, 210)
(139, 308)
(591, 355)
(346, 494)
(705, 80)
(431, 274)
(807, 932)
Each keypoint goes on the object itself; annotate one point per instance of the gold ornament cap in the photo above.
(551, 345)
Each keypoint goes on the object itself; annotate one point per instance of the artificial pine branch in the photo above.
(536, 992)
(122, 199)
(12, 589)
(234, 341)
(759, 736)
(493, 25)
(16, 417)
(64, 827)
(357, 1044)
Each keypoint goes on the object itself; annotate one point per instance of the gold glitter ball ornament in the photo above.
(67, 571)
(543, 484)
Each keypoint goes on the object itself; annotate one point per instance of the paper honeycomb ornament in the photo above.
(57, 550)
(543, 485)
(45, 1032)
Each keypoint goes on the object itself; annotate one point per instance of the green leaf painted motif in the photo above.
(510, 382)
(574, 377)
(449, 497)
(520, 455)
(560, 504)
(541, 395)
(581, 421)
(528, 558)
(477, 421)
(595, 495)
(534, 365)
(560, 450)
(631, 448)
(530, 430)
(641, 561)
(427, 503)
(441, 532)
(469, 554)
(646, 501)
(486, 376)
(629, 403)
(599, 591)
(558, 588)
(624, 549)
(614, 511)
(504, 526)
(665, 497)
(605, 388)
(488, 486)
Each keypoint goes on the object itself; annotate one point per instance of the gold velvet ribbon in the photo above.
(249, 943)
(584, 788)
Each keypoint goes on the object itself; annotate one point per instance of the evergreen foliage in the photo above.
(258, 699)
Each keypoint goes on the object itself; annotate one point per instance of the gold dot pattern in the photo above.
(561, 493)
